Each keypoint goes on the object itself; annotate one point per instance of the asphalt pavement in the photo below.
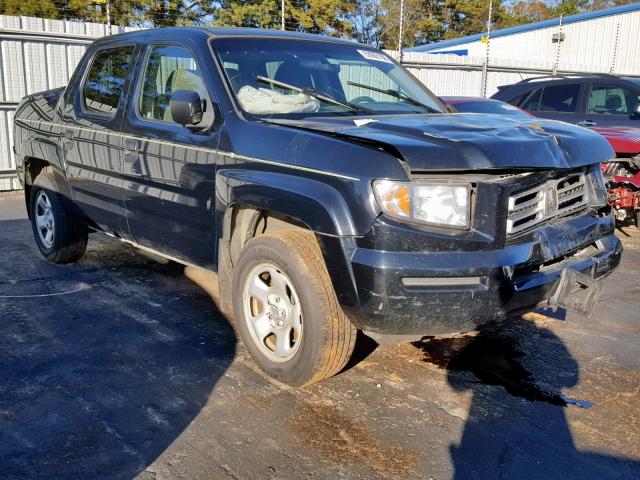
(120, 367)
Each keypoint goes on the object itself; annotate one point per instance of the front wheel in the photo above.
(286, 309)
(60, 237)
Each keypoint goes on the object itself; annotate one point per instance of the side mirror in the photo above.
(186, 108)
(636, 111)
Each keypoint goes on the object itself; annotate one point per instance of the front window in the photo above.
(169, 68)
(611, 100)
(296, 78)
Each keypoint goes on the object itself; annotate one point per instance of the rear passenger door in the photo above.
(555, 102)
(609, 105)
(169, 170)
(91, 119)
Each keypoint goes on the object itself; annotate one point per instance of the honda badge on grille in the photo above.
(550, 199)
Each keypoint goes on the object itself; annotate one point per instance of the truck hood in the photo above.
(469, 141)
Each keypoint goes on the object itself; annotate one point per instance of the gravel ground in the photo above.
(120, 366)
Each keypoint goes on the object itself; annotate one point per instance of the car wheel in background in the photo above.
(60, 237)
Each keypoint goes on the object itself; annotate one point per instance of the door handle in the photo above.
(587, 123)
(68, 139)
(131, 149)
(132, 158)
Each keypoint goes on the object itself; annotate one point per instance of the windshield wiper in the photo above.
(393, 93)
(312, 93)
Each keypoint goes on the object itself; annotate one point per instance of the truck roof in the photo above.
(221, 32)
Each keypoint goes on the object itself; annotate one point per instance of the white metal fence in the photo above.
(457, 75)
(35, 54)
(39, 54)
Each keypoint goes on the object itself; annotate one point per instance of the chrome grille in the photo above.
(550, 199)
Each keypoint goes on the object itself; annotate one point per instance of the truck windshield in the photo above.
(284, 78)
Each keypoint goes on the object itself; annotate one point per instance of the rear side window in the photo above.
(104, 84)
(560, 98)
(554, 98)
(518, 100)
(533, 102)
(169, 68)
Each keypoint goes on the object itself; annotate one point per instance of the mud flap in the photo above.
(577, 291)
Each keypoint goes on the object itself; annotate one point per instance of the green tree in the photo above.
(329, 17)
(375, 22)
(320, 16)
(570, 7)
(422, 22)
(256, 13)
(32, 8)
(469, 17)
(163, 13)
(143, 13)
(367, 22)
(530, 11)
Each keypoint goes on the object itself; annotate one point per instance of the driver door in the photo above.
(168, 169)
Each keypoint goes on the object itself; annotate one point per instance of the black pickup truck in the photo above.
(327, 189)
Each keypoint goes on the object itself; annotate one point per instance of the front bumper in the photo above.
(435, 293)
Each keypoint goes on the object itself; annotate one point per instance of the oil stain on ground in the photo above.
(342, 439)
(494, 360)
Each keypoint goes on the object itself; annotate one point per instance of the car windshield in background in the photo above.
(279, 78)
(497, 108)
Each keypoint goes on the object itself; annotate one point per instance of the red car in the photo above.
(622, 173)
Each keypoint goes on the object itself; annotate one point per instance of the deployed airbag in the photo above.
(264, 101)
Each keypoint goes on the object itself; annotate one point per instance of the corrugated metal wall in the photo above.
(454, 75)
(36, 54)
(588, 45)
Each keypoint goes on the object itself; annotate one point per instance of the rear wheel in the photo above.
(286, 309)
(60, 237)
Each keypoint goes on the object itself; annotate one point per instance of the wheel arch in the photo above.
(33, 166)
(245, 195)
(242, 222)
(321, 205)
(56, 178)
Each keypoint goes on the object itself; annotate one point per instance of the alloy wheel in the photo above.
(273, 312)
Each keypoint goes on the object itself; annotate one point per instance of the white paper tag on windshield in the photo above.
(364, 121)
(377, 56)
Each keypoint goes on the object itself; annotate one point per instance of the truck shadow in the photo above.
(103, 364)
(516, 426)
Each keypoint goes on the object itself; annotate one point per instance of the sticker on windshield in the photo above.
(377, 56)
(364, 121)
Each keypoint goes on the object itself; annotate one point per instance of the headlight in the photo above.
(445, 205)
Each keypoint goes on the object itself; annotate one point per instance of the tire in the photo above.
(60, 236)
(318, 337)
